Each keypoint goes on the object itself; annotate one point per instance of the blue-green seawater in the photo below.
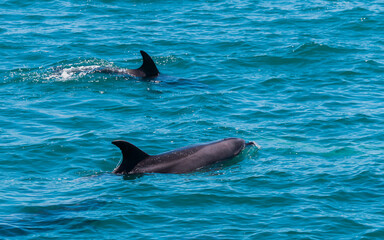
(303, 79)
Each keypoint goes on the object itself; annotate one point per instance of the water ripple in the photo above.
(302, 79)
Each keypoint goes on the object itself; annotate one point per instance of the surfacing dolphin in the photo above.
(147, 70)
(181, 160)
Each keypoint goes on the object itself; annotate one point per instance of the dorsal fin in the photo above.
(132, 155)
(148, 66)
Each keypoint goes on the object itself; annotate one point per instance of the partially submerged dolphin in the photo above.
(181, 160)
(147, 70)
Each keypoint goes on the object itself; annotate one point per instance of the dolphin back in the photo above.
(132, 155)
(182, 160)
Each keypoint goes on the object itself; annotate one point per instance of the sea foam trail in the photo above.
(71, 73)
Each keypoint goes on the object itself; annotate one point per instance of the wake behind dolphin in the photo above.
(181, 160)
(147, 70)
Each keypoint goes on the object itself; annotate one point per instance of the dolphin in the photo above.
(181, 160)
(147, 70)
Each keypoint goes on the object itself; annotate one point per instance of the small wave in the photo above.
(12, 230)
(375, 233)
(272, 60)
(273, 82)
(341, 152)
(313, 48)
(346, 73)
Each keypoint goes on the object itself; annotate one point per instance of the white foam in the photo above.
(255, 144)
(72, 72)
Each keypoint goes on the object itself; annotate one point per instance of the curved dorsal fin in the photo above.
(132, 155)
(148, 66)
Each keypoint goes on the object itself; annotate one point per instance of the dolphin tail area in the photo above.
(132, 155)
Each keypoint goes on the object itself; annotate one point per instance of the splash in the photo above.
(72, 73)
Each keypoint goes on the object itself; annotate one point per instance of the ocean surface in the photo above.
(303, 79)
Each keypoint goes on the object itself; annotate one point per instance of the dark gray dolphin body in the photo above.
(147, 70)
(181, 160)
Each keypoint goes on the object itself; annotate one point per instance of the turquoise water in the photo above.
(302, 79)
